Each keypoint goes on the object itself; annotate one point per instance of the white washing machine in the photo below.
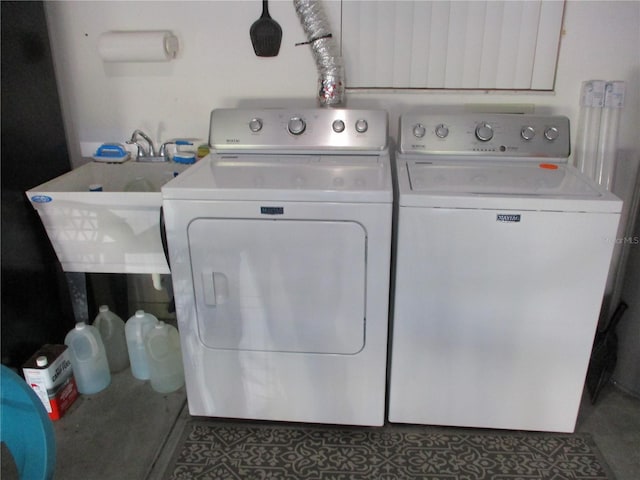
(280, 245)
(501, 262)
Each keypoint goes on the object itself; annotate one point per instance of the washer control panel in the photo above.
(305, 130)
(485, 135)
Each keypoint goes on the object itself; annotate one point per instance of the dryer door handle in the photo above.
(215, 288)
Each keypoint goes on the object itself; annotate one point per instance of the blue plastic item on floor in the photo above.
(26, 428)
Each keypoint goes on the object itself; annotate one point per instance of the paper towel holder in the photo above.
(138, 46)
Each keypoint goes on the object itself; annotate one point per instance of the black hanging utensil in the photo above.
(266, 34)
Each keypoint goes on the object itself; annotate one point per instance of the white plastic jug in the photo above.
(111, 328)
(162, 344)
(135, 331)
(88, 358)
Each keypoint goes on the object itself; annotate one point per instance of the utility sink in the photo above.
(105, 217)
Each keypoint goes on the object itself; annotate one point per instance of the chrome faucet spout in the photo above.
(151, 151)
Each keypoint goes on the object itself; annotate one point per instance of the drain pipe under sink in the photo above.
(157, 281)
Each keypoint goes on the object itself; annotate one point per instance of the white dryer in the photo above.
(501, 262)
(279, 246)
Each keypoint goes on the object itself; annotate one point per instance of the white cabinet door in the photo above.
(279, 285)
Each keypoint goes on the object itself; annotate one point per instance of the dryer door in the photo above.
(279, 285)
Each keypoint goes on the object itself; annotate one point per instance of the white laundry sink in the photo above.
(115, 230)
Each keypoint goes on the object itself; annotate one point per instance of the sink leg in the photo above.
(77, 282)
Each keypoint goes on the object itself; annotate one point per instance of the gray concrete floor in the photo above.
(128, 431)
(614, 423)
(117, 433)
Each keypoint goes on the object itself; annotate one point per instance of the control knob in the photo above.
(296, 125)
(361, 125)
(419, 130)
(527, 133)
(255, 125)
(338, 126)
(551, 133)
(484, 132)
(442, 131)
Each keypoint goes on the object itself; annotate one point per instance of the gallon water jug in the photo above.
(135, 331)
(88, 358)
(111, 328)
(162, 344)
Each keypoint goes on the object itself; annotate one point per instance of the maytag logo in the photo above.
(233, 140)
(41, 199)
(272, 210)
(508, 217)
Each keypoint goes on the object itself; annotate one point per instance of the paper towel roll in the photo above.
(138, 46)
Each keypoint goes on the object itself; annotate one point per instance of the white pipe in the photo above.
(157, 281)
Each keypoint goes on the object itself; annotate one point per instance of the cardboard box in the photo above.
(50, 375)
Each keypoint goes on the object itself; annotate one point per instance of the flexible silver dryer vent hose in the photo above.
(331, 83)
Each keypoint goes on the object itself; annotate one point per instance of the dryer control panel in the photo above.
(485, 135)
(298, 131)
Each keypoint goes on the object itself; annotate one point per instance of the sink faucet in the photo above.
(150, 152)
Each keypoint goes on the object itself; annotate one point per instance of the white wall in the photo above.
(217, 68)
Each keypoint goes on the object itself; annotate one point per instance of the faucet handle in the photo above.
(140, 149)
(163, 147)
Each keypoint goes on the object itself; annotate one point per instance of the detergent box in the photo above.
(50, 375)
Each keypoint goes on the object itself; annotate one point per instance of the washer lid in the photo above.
(349, 178)
(518, 185)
